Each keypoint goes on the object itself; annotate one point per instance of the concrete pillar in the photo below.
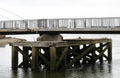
(50, 37)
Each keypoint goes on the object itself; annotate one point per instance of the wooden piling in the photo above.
(53, 58)
(35, 55)
(101, 48)
(84, 58)
(14, 57)
(76, 51)
(25, 61)
(93, 52)
(110, 52)
(55, 55)
(46, 58)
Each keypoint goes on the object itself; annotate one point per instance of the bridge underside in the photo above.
(58, 31)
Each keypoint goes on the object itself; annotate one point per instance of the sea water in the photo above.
(96, 70)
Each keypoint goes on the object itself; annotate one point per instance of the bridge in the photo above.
(53, 51)
(109, 25)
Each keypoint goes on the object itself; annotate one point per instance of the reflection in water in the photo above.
(91, 71)
(22, 73)
(84, 71)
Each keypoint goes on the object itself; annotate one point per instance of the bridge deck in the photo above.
(63, 25)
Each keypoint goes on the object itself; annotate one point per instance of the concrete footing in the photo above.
(50, 37)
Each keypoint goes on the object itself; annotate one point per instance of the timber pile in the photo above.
(56, 55)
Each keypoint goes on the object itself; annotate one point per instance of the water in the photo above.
(97, 70)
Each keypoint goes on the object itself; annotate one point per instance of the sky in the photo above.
(39, 9)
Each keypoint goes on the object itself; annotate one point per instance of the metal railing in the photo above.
(61, 23)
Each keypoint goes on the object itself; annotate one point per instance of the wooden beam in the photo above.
(44, 58)
(101, 53)
(103, 45)
(105, 56)
(64, 53)
(76, 50)
(64, 43)
(81, 55)
(21, 64)
(23, 53)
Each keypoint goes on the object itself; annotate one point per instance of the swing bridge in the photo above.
(53, 52)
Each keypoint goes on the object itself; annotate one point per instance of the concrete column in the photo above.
(50, 37)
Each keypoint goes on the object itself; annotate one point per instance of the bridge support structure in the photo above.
(56, 55)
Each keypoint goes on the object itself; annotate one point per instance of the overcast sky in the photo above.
(35, 9)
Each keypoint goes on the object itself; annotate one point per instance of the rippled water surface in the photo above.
(97, 70)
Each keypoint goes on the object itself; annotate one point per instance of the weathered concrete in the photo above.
(50, 37)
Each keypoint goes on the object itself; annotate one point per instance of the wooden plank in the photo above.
(87, 41)
(9, 40)
(39, 43)
(14, 57)
(61, 43)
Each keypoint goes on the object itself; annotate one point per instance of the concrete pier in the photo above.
(50, 37)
